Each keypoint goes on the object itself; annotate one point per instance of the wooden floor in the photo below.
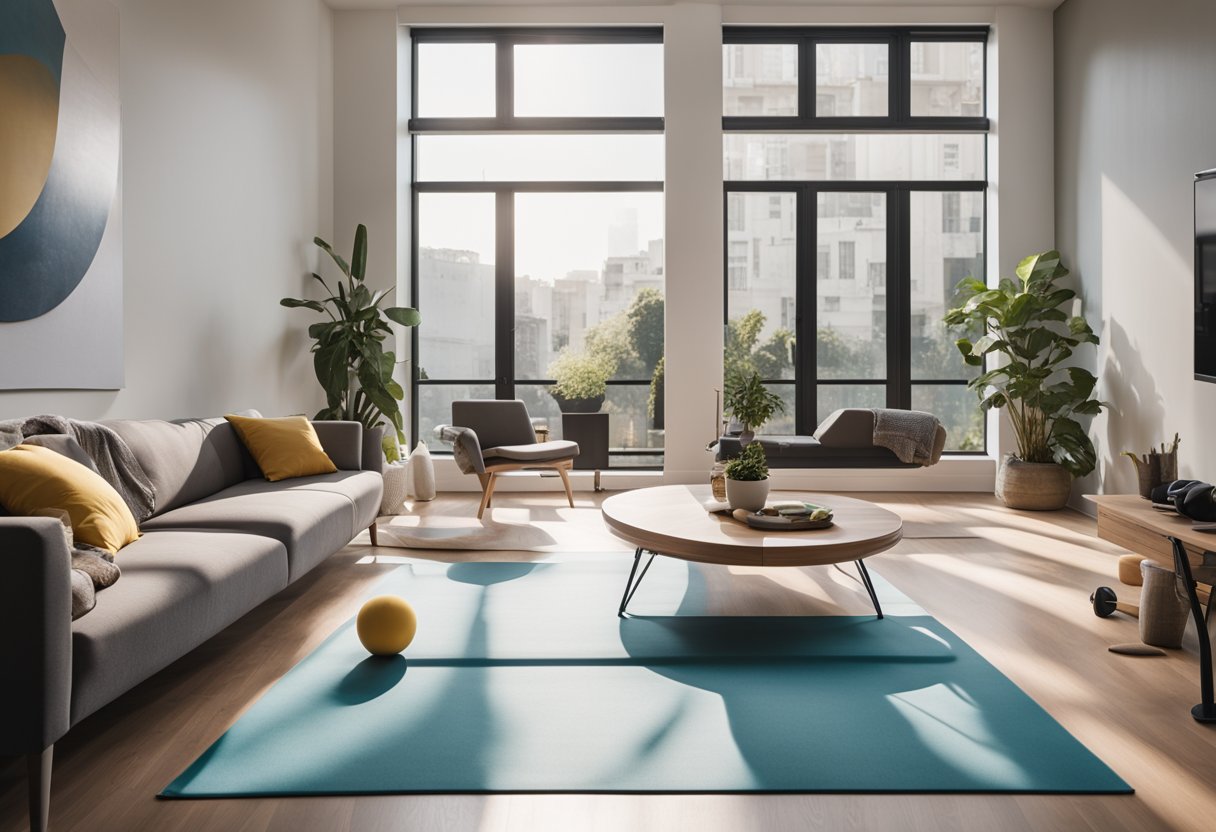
(1014, 585)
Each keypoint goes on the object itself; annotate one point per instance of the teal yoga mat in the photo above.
(523, 679)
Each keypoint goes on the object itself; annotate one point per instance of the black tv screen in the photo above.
(1205, 276)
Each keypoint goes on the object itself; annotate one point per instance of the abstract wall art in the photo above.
(61, 323)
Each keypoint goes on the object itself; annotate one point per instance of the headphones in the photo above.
(1192, 498)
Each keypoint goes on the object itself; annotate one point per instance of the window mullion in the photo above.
(806, 301)
(504, 295)
(504, 81)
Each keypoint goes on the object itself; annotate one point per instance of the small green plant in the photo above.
(579, 376)
(750, 402)
(349, 358)
(749, 466)
(1023, 321)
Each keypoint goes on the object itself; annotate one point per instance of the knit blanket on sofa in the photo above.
(908, 434)
(110, 453)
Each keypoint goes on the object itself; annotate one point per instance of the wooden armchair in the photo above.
(490, 436)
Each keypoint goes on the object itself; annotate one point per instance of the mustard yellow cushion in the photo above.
(283, 448)
(34, 478)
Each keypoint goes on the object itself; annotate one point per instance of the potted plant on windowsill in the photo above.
(747, 479)
(750, 403)
(580, 382)
(1023, 323)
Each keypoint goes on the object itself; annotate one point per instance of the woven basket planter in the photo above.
(396, 487)
(1036, 486)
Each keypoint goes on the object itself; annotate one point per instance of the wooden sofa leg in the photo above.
(39, 773)
(371, 530)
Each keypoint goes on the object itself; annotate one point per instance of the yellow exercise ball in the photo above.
(386, 625)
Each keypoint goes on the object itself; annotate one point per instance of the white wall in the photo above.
(1134, 121)
(227, 175)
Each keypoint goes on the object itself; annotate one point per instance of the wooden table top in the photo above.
(1133, 508)
(672, 520)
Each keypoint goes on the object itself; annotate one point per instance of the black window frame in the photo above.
(506, 122)
(898, 380)
(899, 78)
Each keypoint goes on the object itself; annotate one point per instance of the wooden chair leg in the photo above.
(566, 482)
(487, 483)
(371, 530)
(39, 773)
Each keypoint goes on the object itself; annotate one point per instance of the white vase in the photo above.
(746, 494)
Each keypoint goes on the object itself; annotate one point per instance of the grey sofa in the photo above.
(221, 541)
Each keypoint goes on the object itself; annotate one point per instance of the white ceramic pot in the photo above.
(746, 494)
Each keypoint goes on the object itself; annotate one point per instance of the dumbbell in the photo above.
(1106, 604)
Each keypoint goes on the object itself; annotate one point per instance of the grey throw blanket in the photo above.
(114, 459)
(92, 569)
(909, 434)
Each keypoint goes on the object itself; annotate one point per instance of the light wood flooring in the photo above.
(1013, 585)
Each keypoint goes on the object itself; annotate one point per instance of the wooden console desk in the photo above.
(1130, 521)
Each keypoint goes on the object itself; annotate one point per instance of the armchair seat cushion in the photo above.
(535, 452)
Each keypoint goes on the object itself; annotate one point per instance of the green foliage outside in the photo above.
(1023, 322)
(349, 358)
(750, 465)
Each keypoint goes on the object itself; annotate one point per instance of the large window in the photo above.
(872, 145)
(538, 211)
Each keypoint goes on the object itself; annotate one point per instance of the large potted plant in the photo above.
(580, 381)
(1023, 323)
(750, 403)
(349, 357)
(747, 479)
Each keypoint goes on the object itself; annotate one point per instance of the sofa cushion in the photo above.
(34, 478)
(311, 523)
(187, 459)
(284, 448)
(807, 452)
(362, 489)
(178, 589)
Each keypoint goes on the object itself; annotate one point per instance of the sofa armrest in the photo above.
(849, 427)
(36, 617)
(466, 448)
(342, 442)
(373, 449)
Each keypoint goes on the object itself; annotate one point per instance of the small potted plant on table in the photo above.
(747, 479)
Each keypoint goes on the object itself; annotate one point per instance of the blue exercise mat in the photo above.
(523, 679)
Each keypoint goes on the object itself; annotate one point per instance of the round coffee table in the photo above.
(672, 520)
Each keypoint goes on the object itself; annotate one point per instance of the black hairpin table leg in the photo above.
(869, 584)
(1205, 711)
(631, 586)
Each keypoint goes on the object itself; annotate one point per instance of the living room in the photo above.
(693, 222)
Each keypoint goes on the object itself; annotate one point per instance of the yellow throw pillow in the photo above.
(34, 478)
(283, 448)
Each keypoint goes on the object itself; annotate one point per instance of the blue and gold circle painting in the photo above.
(58, 161)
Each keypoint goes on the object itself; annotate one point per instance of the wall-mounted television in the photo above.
(1205, 275)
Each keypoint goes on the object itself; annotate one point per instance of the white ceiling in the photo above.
(392, 4)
